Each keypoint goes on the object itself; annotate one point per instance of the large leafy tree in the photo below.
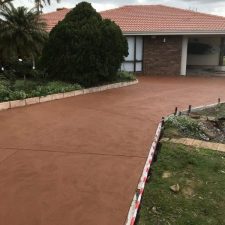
(84, 48)
(22, 32)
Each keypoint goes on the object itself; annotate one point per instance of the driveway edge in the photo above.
(136, 202)
(57, 96)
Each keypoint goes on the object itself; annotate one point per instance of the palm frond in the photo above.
(22, 32)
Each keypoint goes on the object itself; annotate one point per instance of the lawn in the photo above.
(200, 174)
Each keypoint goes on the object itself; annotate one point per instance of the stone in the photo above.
(221, 147)
(189, 141)
(154, 210)
(104, 87)
(86, 91)
(17, 103)
(31, 101)
(68, 94)
(166, 174)
(57, 96)
(4, 105)
(46, 98)
(78, 92)
(197, 143)
(194, 116)
(175, 188)
(211, 119)
(164, 139)
(209, 145)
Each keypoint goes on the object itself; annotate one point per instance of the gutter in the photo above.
(157, 33)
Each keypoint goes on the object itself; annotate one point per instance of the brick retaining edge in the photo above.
(52, 97)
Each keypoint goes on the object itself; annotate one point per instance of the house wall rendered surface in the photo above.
(211, 58)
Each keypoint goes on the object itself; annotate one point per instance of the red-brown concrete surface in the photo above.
(78, 160)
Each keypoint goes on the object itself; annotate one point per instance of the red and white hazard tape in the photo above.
(141, 185)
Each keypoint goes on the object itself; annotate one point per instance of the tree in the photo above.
(39, 4)
(22, 33)
(84, 48)
(2, 2)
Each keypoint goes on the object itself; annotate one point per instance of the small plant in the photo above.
(125, 76)
(4, 91)
(11, 76)
(31, 88)
(185, 125)
(17, 95)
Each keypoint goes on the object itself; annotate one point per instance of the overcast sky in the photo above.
(208, 6)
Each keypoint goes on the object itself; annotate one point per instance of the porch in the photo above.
(203, 55)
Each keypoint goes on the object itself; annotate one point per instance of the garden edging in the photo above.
(52, 97)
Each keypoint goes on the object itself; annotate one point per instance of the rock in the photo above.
(203, 118)
(164, 139)
(194, 116)
(154, 210)
(175, 188)
(166, 174)
(211, 119)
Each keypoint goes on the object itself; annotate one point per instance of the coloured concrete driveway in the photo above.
(78, 160)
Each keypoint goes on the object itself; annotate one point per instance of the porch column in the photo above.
(184, 56)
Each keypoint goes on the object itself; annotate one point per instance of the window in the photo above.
(134, 61)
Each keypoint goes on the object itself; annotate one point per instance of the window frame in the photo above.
(135, 61)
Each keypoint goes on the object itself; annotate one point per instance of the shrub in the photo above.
(84, 48)
(185, 125)
(11, 77)
(4, 91)
(125, 76)
(14, 95)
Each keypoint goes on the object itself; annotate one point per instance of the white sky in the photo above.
(209, 6)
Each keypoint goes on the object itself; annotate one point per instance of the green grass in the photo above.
(201, 199)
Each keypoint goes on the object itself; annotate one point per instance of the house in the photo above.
(164, 40)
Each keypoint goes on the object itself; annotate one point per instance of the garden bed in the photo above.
(186, 184)
(23, 89)
(60, 95)
(207, 124)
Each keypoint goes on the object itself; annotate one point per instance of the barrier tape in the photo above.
(132, 215)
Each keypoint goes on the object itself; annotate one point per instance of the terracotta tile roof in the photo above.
(154, 19)
(53, 18)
